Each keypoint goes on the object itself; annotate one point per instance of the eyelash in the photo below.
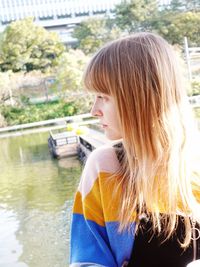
(102, 97)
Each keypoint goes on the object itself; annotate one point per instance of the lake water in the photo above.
(36, 197)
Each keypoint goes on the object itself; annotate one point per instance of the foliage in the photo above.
(4, 86)
(173, 22)
(30, 87)
(135, 15)
(95, 32)
(185, 5)
(20, 85)
(33, 113)
(197, 113)
(26, 46)
(83, 103)
(173, 26)
(68, 83)
(69, 72)
(195, 87)
(2, 121)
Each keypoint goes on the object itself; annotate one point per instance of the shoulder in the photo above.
(101, 160)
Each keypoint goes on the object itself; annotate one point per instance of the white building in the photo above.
(57, 15)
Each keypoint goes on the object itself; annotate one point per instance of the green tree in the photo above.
(179, 19)
(26, 46)
(176, 5)
(191, 5)
(135, 15)
(173, 26)
(93, 33)
(69, 72)
(184, 5)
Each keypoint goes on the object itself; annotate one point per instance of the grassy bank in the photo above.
(37, 112)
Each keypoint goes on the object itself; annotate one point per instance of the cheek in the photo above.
(111, 110)
(114, 119)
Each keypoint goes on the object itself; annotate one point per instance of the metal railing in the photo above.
(47, 125)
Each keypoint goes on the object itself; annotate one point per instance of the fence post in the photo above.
(46, 90)
(187, 54)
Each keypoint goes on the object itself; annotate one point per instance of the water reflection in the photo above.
(9, 225)
(36, 195)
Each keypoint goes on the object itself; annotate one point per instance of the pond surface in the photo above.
(36, 197)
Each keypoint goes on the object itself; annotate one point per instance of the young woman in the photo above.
(138, 202)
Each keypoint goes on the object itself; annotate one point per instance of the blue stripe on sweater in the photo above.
(122, 243)
(91, 242)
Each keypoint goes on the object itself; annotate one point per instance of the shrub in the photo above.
(38, 112)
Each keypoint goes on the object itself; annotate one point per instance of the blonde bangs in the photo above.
(96, 76)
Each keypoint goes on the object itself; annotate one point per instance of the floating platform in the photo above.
(63, 144)
(67, 144)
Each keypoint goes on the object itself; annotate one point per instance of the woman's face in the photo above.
(105, 109)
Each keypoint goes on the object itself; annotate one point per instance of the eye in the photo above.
(102, 97)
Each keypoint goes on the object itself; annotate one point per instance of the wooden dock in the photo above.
(89, 142)
(67, 144)
(63, 144)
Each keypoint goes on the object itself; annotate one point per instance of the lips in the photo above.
(104, 125)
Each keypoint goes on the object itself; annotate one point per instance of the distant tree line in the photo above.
(173, 22)
(24, 46)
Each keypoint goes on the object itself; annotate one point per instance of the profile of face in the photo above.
(104, 109)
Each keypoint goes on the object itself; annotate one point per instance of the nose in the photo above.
(96, 111)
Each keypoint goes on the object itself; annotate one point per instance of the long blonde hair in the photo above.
(141, 73)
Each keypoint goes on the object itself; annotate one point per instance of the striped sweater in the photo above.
(95, 240)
